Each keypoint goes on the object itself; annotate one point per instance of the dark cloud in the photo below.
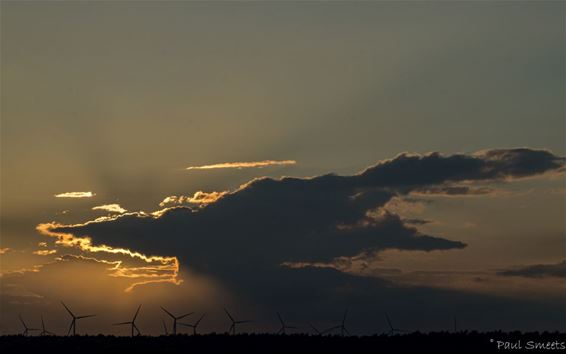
(455, 190)
(538, 271)
(416, 221)
(412, 171)
(244, 238)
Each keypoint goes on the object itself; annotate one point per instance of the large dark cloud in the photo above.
(269, 221)
(244, 237)
(538, 271)
(413, 171)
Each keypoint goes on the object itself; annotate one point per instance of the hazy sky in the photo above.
(119, 98)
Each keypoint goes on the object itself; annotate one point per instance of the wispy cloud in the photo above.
(75, 195)
(4, 250)
(113, 208)
(240, 165)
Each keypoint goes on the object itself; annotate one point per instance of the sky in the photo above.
(305, 158)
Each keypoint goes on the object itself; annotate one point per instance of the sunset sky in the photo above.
(299, 157)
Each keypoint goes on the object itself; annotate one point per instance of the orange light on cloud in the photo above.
(240, 165)
(44, 252)
(75, 195)
(113, 208)
(200, 197)
(161, 269)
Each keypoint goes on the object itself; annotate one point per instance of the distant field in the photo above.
(438, 342)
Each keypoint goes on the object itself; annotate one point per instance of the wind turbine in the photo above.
(26, 328)
(393, 329)
(132, 322)
(45, 332)
(73, 325)
(175, 318)
(195, 325)
(283, 325)
(234, 322)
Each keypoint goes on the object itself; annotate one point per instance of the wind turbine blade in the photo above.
(245, 321)
(344, 318)
(70, 327)
(86, 316)
(280, 319)
(281, 330)
(314, 328)
(136, 315)
(346, 330)
(388, 321)
(185, 315)
(330, 329)
(121, 323)
(165, 327)
(22, 321)
(229, 316)
(169, 313)
(42, 323)
(231, 328)
(200, 319)
(69, 311)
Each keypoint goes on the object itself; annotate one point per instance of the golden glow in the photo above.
(161, 269)
(200, 197)
(75, 195)
(44, 252)
(240, 165)
(4, 250)
(113, 208)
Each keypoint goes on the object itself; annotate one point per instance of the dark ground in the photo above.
(438, 342)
